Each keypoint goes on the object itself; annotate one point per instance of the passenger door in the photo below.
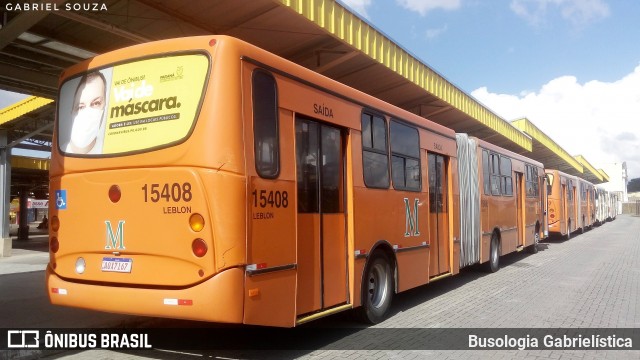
(322, 247)
(520, 211)
(438, 215)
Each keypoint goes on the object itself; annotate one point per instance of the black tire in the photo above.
(533, 248)
(377, 289)
(568, 236)
(494, 255)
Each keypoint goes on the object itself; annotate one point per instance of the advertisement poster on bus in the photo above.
(131, 107)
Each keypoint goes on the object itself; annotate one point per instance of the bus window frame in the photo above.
(506, 191)
(531, 180)
(570, 188)
(495, 173)
(486, 172)
(276, 160)
(405, 157)
(372, 115)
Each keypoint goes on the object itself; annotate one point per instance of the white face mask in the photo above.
(85, 126)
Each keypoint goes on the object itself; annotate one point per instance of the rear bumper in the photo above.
(554, 227)
(219, 299)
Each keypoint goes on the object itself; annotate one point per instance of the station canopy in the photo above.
(322, 35)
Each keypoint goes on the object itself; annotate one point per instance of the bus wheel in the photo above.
(533, 249)
(568, 236)
(377, 289)
(494, 255)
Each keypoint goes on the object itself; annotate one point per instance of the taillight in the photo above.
(55, 223)
(54, 245)
(199, 247)
(114, 193)
(196, 221)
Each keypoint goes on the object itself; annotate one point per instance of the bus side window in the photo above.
(405, 157)
(531, 180)
(495, 174)
(570, 190)
(375, 159)
(265, 124)
(506, 184)
(485, 172)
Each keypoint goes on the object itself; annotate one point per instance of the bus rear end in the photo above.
(148, 185)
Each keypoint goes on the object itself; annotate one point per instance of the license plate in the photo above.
(121, 265)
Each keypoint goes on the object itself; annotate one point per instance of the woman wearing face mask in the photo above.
(88, 115)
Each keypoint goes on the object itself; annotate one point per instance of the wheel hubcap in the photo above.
(494, 251)
(378, 285)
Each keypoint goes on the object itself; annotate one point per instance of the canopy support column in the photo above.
(5, 195)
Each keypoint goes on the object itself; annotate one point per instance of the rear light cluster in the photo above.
(54, 244)
(114, 193)
(54, 225)
(198, 246)
(196, 222)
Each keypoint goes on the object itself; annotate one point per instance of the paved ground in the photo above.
(590, 281)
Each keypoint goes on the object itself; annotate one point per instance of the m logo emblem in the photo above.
(411, 219)
(115, 241)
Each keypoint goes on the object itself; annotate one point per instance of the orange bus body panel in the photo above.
(219, 299)
(309, 267)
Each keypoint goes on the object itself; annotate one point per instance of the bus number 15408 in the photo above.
(176, 192)
(276, 199)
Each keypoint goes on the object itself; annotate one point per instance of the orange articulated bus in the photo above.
(614, 204)
(511, 194)
(603, 205)
(562, 197)
(207, 179)
(586, 207)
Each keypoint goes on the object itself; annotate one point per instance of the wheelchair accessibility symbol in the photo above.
(61, 199)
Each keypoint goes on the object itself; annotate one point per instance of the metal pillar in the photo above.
(5, 195)
(23, 216)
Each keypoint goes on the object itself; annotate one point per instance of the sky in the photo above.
(572, 67)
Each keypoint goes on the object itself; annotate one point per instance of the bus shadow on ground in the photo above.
(414, 297)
